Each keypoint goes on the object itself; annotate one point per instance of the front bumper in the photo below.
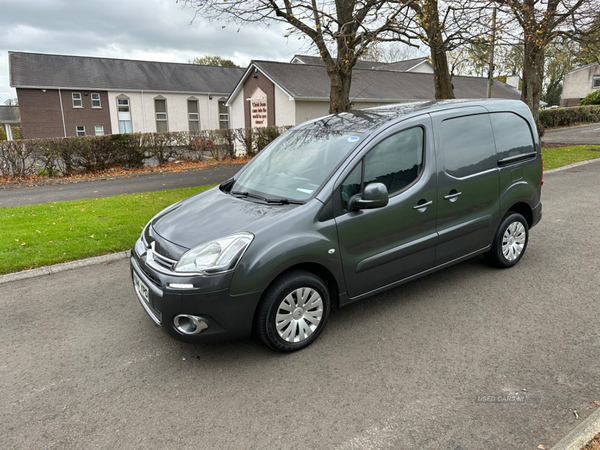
(228, 316)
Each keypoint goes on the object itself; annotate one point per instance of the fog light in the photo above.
(181, 286)
(188, 324)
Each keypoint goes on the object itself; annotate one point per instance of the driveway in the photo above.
(584, 134)
(81, 365)
(18, 196)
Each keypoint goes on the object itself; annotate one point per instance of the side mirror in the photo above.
(374, 196)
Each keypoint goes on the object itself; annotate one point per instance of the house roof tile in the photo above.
(311, 82)
(83, 72)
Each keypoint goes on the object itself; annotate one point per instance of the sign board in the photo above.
(258, 109)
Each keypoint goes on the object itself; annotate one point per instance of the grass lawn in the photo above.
(39, 235)
(562, 156)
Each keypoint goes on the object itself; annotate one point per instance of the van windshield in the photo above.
(297, 163)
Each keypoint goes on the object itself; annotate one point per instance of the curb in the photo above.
(111, 177)
(32, 273)
(570, 166)
(582, 434)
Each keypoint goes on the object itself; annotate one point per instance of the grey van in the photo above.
(338, 209)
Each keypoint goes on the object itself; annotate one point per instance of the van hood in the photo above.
(213, 214)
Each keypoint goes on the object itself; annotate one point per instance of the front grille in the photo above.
(151, 277)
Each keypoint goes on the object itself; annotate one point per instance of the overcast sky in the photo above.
(156, 30)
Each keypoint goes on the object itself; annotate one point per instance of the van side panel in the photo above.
(468, 183)
(518, 154)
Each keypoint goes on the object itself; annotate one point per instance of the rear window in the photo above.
(512, 134)
(468, 145)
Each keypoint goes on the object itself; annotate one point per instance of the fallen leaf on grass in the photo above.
(23, 243)
(38, 231)
(92, 236)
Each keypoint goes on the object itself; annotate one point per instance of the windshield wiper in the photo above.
(283, 201)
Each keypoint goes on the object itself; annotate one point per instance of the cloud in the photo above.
(157, 30)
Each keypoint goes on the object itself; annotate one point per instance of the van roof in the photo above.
(369, 119)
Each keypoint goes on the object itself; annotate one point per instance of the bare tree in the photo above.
(388, 52)
(443, 26)
(540, 23)
(341, 30)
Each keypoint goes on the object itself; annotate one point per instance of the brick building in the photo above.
(61, 95)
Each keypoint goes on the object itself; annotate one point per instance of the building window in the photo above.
(223, 116)
(596, 83)
(76, 96)
(99, 130)
(193, 116)
(124, 115)
(96, 100)
(160, 108)
(80, 130)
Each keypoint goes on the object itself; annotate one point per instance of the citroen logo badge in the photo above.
(150, 252)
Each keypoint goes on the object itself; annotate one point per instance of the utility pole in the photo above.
(491, 68)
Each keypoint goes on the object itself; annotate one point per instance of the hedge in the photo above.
(593, 98)
(561, 117)
(64, 156)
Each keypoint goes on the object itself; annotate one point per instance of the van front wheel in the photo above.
(510, 242)
(293, 312)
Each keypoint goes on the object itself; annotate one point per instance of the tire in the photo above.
(283, 320)
(510, 242)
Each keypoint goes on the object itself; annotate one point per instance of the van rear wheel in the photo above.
(293, 311)
(510, 242)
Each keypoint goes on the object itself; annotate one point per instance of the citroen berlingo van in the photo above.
(338, 209)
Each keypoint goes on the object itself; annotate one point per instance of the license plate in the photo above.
(141, 287)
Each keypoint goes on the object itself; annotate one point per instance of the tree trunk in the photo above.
(443, 80)
(339, 96)
(441, 73)
(533, 76)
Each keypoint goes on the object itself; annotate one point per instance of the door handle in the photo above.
(452, 196)
(421, 207)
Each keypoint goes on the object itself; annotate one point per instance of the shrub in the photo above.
(16, 132)
(560, 117)
(2, 133)
(61, 156)
(593, 98)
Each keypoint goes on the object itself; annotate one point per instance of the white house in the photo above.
(578, 83)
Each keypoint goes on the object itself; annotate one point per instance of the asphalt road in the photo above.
(584, 134)
(82, 366)
(17, 196)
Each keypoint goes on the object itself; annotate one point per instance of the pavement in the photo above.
(146, 182)
(580, 135)
(81, 364)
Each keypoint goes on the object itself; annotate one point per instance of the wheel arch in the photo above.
(316, 269)
(524, 209)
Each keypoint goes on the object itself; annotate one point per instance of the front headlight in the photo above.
(217, 256)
